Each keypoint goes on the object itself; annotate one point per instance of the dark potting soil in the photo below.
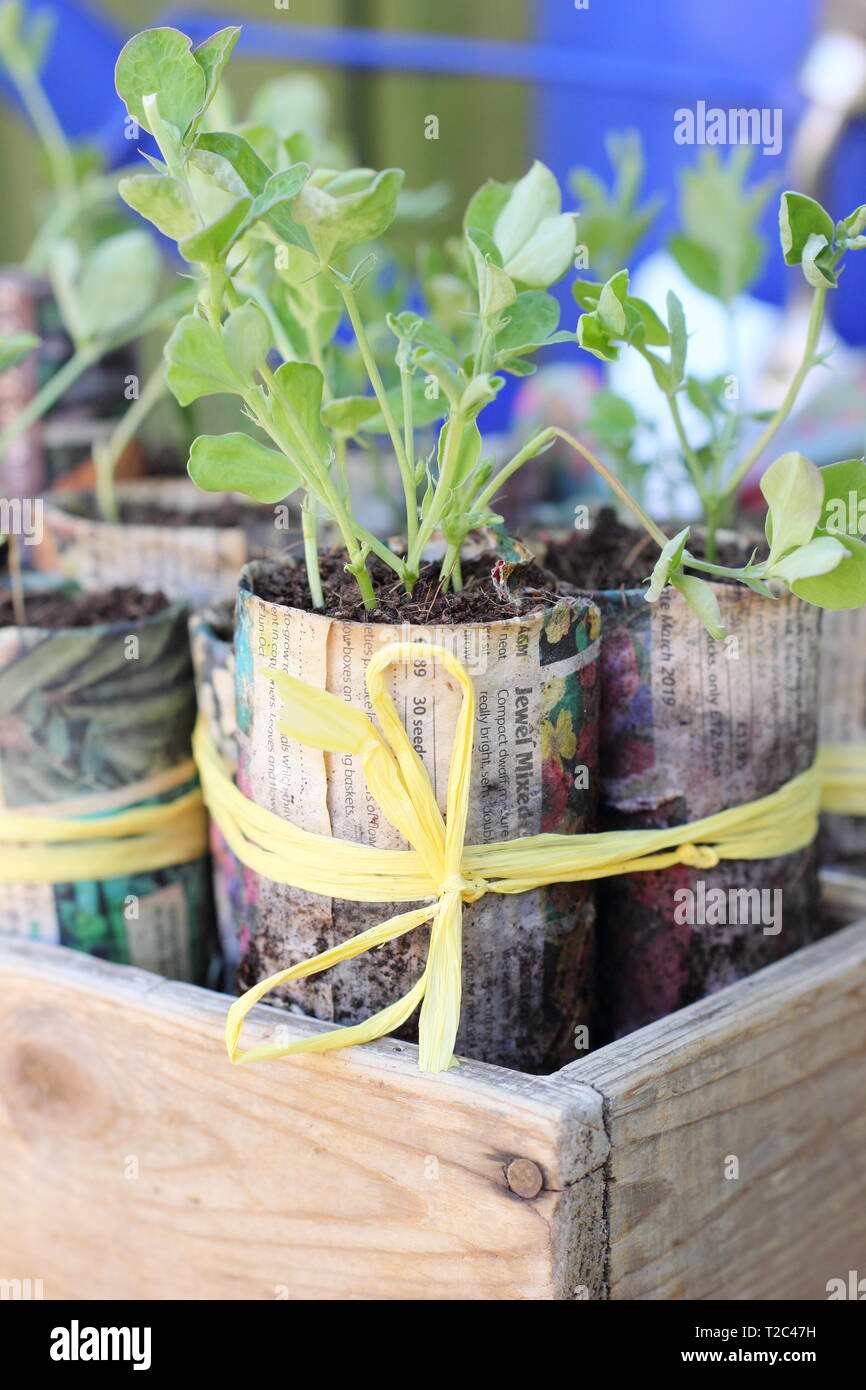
(223, 514)
(57, 610)
(484, 597)
(614, 555)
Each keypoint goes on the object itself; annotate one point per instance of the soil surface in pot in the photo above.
(223, 514)
(613, 555)
(484, 597)
(58, 610)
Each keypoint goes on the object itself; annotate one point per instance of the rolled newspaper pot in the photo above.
(527, 959)
(689, 727)
(211, 638)
(87, 714)
(58, 447)
(186, 559)
(843, 725)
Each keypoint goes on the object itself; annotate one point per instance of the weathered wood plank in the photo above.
(772, 1072)
(136, 1163)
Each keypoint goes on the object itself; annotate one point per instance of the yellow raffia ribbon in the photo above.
(843, 778)
(439, 865)
(117, 839)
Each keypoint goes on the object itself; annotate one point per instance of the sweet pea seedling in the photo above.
(240, 206)
(316, 225)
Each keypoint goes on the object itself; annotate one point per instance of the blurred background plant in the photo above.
(455, 94)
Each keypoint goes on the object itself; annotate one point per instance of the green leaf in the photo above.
(118, 283)
(697, 262)
(302, 383)
(197, 363)
(295, 101)
(347, 415)
(853, 224)
(668, 560)
(163, 200)
(655, 333)
(817, 262)
(535, 237)
(661, 371)
(238, 463)
(818, 556)
(844, 511)
(794, 492)
(210, 245)
(212, 56)
(479, 393)
(160, 61)
(799, 219)
(595, 338)
(470, 450)
(485, 206)
(611, 419)
(719, 246)
(337, 220)
(238, 154)
(273, 205)
(844, 586)
(702, 600)
(610, 309)
(424, 410)
(246, 339)
(532, 318)
(495, 289)
(586, 292)
(679, 340)
(610, 223)
(14, 347)
(424, 334)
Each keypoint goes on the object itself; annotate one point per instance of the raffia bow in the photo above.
(439, 865)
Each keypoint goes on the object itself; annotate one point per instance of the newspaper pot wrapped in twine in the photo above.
(86, 715)
(210, 631)
(60, 445)
(843, 727)
(192, 560)
(527, 959)
(689, 727)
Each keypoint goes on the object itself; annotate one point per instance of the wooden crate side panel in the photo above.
(136, 1163)
(771, 1073)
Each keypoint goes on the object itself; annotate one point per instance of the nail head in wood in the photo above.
(524, 1177)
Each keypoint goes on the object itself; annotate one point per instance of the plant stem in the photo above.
(451, 567)
(409, 442)
(16, 582)
(816, 319)
(309, 526)
(689, 562)
(535, 446)
(107, 456)
(50, 133)
(444, 486)
(342, 464)
(319, 482)
(51, 392)
(693, 463)
(407, 473)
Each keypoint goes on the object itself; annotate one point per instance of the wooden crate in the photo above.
(135, 1163)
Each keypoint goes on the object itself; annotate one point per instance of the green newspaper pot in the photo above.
(527, 959)
(212, 643)
(843, 724)
(85, 713)
(60, 444)
(194, 560)
(689, 727)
